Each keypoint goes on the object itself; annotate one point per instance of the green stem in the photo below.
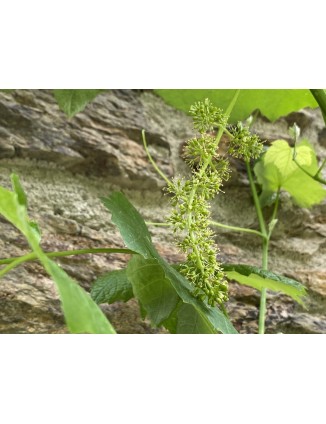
(262, 306)
(316, 176)
(256, 201)
(320, 97)
(13, 262)
(157, 169)
(274, 211)
(159, 224)
(320, 168)
(240, 229)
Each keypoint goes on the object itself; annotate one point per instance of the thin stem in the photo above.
(320, 168)
(157, 169)
(316, 176)
(13, 262)
(275, 210)
(159, 224)
(256, 201)
(240, 229)
(262, 306)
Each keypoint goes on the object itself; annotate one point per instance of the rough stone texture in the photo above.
(66, 165)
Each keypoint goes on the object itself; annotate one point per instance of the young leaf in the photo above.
(111, 287)
(259, 279)
(137, 238)
(81, 312)
(281, 155)
(271, 103)
(276, 170)
(74, 101)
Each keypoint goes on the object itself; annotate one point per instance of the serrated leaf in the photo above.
(259, 279)
(74, 101)
(137, 238)
(272, 176)
(131, 225)
(186, 320)
(271, 103)
(81, 313)
(150, 285)
(111, 287)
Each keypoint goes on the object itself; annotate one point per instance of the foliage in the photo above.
(259, 279)
(190, 198)
(158, 287)
(111, 287)
(190, 297)
(81, 313)
(271, 103)
(276, 170)
(74, 101)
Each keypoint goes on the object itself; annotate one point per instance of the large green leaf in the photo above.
(82, 315)
(259, 279)
(74, 101)
(186, 320)
(151, 287)
(271, 103)
(137, 238)
(276, 170)
(111, 287)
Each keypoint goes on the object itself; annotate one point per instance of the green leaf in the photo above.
(280, 154)
(271, 103)
(131, 225)
(18, 189)
(150, 285)
(259, 279)
(111, 287)
(74, 101)
(82, 315)
(137, 238)
(276, 170)
(186, 320)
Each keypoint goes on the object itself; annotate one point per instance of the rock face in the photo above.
(66, 165)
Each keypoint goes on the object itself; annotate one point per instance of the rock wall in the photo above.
(66, 165)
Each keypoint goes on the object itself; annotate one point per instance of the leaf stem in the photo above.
(256, 201)
(316, 176)
(13, 262)
(240, 229)
(157, 169)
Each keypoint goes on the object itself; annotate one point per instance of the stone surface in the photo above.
(66, 165)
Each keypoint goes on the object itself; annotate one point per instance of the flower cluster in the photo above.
(243, 144)
(206, 116)
(190, 197)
